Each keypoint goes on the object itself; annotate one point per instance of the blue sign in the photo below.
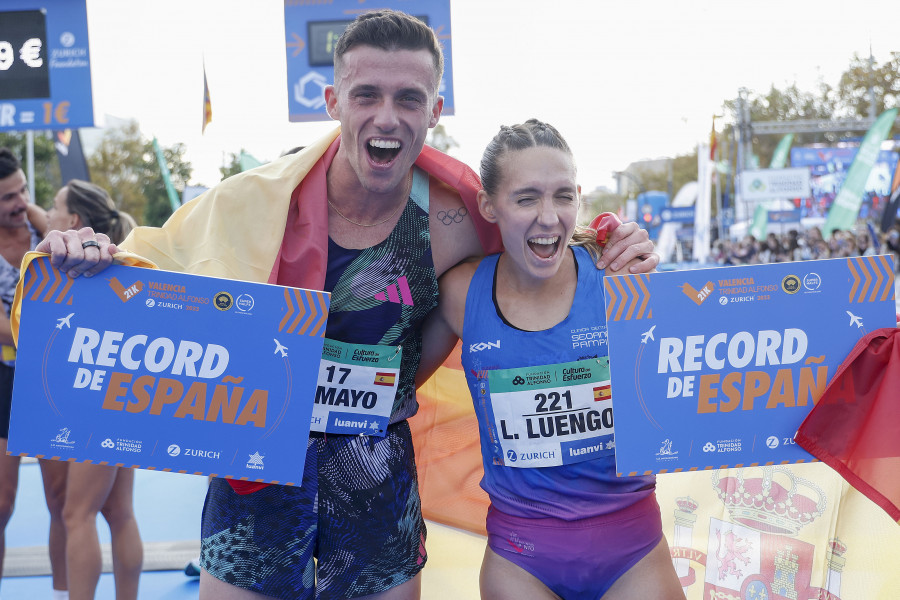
(716, 368)
(45, 67)
(677, 214)
(311, 31)
(784, 216)
(160, 370)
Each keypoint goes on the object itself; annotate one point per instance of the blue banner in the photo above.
(160, 370)
(311, 30)
(713, 368)
(45, 66)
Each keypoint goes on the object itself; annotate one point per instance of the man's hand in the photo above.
(81, 252)
(626, 242)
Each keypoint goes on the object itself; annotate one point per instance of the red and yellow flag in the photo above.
(385, 378)
(602, 392)
(207, 105)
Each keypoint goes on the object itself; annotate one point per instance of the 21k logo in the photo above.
(125, 293)
(698, 296)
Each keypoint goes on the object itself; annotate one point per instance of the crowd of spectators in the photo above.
(807, 245)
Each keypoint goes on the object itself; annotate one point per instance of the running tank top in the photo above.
(574, 491)
(9, 277)
(381, 295)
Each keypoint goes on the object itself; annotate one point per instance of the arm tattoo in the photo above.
(454, 215)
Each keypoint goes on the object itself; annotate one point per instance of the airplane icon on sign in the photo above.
(280, 348)
(65, 321)
(648, 335)
(854, 320)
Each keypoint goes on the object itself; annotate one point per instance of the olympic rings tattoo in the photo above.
(448, 217)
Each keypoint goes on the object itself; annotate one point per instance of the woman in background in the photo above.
(97, 488)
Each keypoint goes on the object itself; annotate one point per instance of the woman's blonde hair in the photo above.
(97, 210)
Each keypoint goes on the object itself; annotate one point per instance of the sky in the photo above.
(622, 81)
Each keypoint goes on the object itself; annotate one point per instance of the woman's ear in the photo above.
(486, 207)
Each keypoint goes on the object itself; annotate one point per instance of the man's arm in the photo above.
(625, 243)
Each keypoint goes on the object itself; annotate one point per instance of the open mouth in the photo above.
(383, 151)
(544, 247)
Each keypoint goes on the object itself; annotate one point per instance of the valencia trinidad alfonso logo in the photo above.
(391, 293)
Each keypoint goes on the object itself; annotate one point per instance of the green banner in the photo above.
(845, 208)
(760, 221)
(780, 156)
(167, 178)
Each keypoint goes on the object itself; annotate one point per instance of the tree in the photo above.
(852, 93)
(46, 165)
(233, 166)
(441, 140)
(125, 165)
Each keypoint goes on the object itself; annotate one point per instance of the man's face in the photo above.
(13, 200)
(386, 101)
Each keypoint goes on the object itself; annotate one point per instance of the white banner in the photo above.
(773, 184)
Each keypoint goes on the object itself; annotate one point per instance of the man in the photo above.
(360, 218)
(20, 225)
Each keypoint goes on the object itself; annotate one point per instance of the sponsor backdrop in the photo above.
(45, 65)
(718, 367)
(311, 30)
(160, 370)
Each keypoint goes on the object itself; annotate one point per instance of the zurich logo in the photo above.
(174, 450)
(511, 455)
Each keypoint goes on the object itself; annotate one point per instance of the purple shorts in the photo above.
(577, 560)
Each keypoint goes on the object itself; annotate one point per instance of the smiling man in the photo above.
(374, 217)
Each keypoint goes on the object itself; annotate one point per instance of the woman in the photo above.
(97, 488)
(574, 531)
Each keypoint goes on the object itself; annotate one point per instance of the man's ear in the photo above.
(436, 111)
(486, 207)
(331, 103)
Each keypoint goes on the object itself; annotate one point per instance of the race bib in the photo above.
(552, 415)
(356, 388)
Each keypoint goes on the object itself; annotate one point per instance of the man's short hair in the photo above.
(390, 30)
(9, 164)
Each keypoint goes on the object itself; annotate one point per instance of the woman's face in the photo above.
(59, 216)
(535, 207)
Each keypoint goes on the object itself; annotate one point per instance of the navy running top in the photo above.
(381, 295)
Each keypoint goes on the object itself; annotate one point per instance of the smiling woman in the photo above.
(548, 449)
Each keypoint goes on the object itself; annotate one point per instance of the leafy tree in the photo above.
(46, 164)
(233, 166)
(849, 99)
(440, 139)
(125, 165)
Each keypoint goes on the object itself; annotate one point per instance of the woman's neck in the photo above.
(534, 304)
